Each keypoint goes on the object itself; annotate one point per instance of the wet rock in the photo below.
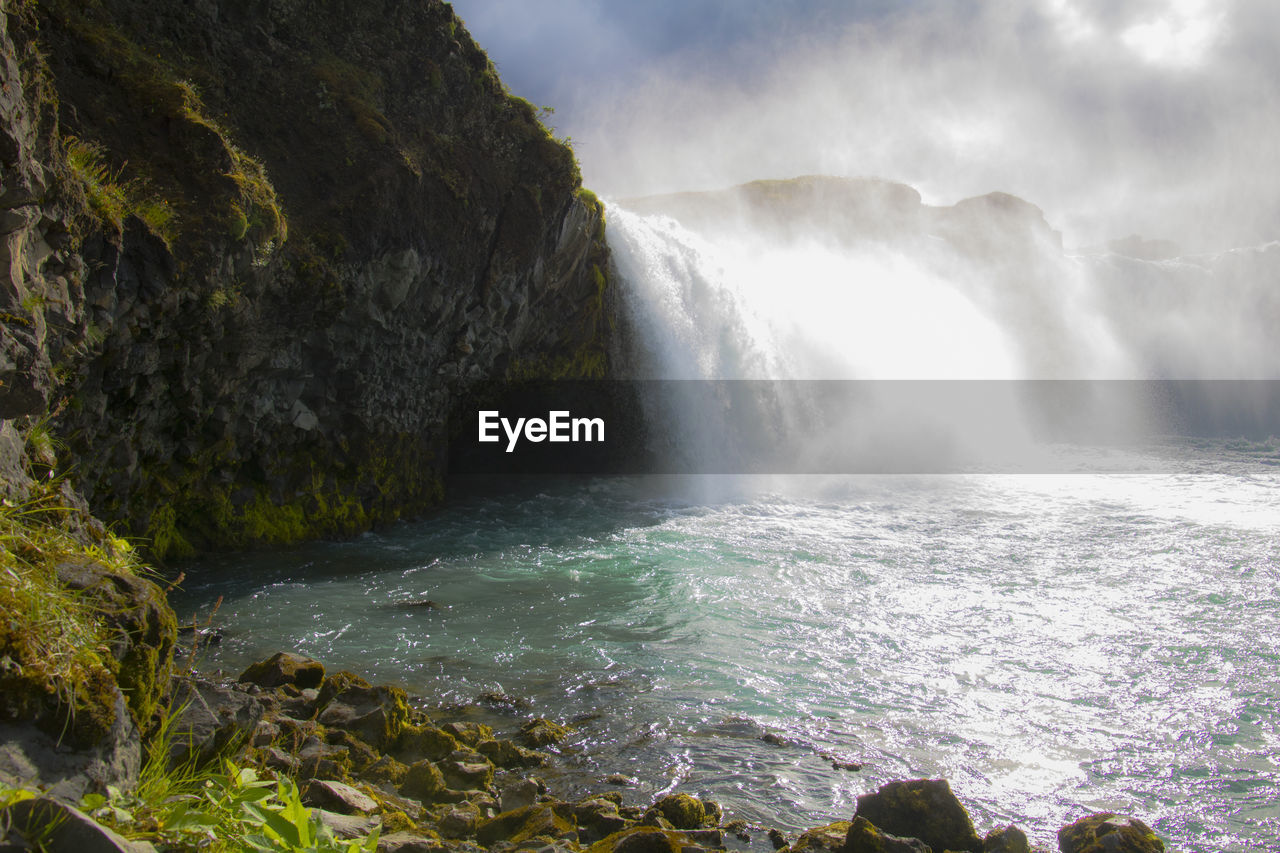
(865, 837)
(1106, 832)
(498, 699)
(822, 839)
(505, 753)
(541, 732)
(641, 839)
(620, 779)
(554, 820)
(599, 816)
(1008, 839)
(682, 810)
(712, 838)
(338, 797)
(63, 828)
(924, 809)
(777, 839)
(738, 829)
(470, 734)
(285, 668)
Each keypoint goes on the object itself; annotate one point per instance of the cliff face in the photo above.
(257, 250)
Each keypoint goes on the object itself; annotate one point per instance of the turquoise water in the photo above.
(1050, 644)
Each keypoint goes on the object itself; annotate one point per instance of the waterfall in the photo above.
(990, 295)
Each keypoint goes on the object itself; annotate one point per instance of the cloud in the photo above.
(1115, 117)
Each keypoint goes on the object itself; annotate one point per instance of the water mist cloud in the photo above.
(1149, 117)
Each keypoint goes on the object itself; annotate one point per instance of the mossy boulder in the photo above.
(285, 668)
(822, 839)
(337, 683)
(682, 811)
(469, 733)
(1006, 839)
(377, 715)
(866, 837)
(924, 809)
(385, 770)
(415, 743)
(505, 753)
(540, 732)
(142, 629)
(423, 781)
(553, 820)
(641, 839)
(467, 775)
(1106, 832)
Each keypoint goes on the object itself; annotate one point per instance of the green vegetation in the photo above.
(228, 809)
(55, 665)
(113, 199)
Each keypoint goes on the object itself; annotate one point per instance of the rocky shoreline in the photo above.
(368, 758)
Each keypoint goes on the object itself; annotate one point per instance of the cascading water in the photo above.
(1052, 644)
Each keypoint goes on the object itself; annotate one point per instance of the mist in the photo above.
(1150, 118)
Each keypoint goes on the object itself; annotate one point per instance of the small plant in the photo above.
(113, 199)
(230, 809)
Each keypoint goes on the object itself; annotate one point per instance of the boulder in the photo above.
(209, 717)
(459, 821)
(865, 837)
(554, 820)
(142, 629)
(540, 732)
(822, 839)
(348, 826)
(415, 743)
(506, 753)
(469, 733)
(285, 668)
(377, 715)
(682, 810)
(63, 828)
(410, 842)
(1106, 832)
(338, 797)
(641, 839)
(924, 809)
(423, 781)
(385, 770)
(518, 794)
(1006, 839)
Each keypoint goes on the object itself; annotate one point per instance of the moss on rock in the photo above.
(1107, 832)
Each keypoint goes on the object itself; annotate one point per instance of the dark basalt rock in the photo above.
(285, 668)
(924, 809)
(1007, 839)
(865, 837)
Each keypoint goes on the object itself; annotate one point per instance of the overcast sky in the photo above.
(1157, 117)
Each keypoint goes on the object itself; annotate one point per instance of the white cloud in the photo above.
(1114, 117)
